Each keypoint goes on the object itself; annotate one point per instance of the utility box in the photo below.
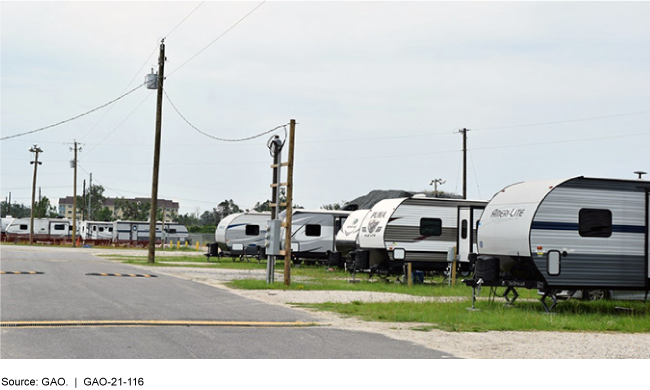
(151, 80)
(272, 237)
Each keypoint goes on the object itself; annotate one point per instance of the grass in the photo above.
(575, 316)
(527, 314)
(188, 261)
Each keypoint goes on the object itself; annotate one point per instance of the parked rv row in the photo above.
(576, 234)
(418, 230)
(133, 233)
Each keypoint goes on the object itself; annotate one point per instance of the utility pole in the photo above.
(435, 183)
(464, 131)
(90, 198)
(83, 199)
(74, 194)
(156, 156)
(36, 150)
(287, 229)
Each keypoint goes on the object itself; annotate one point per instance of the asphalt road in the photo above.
(74, 312)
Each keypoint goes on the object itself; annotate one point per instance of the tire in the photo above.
(595, 295)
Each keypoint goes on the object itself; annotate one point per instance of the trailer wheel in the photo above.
(594, 295)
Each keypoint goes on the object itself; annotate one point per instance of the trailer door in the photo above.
(134, 232)
(464, 233)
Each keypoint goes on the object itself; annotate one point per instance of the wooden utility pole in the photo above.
(464, 131)
(36, 150)
(156, 156)
(287, 229)
(74, 195)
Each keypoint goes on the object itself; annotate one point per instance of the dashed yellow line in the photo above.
(21, 273)
(123, 275)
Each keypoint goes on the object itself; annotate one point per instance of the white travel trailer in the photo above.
(5, 222)
(45, 229)
(569, 234)
(242, 233)
(347, 238)
(313, 232)
(417, 230)
(96, 230)
(137, 232)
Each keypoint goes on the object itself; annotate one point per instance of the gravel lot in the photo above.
(485, 345)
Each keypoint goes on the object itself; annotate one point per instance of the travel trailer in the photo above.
(45, 230)
(5, 222)
(347, 238)
(419, 230)
(569, 234)
(313, 233)
(136, 233)
(242, 234)
(95, 231)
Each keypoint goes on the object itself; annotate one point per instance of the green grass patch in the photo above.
(574, 316)
(187, 261)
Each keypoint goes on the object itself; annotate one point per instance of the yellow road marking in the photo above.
(126, 323)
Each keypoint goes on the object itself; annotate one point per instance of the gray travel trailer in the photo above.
(136, 233)
(569, 234)
(419, 230)
(242, 233)
(313, 233)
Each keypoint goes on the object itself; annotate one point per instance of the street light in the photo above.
(36, 150)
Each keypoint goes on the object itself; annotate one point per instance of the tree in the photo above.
(95, 194)
(208, 218)
(133, 210)
(187, 220)
(266, 206)
(16, 210)
(334, 206)
(43, 209)
(226, 208)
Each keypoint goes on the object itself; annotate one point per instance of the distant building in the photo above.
(170, 207)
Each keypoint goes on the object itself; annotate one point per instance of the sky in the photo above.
(379, 92)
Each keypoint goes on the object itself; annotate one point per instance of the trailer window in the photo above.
(23, 227)
(252, 230)
(59, 227)
(312, 230)
(430, 227)
(463, 229)
(595, 223)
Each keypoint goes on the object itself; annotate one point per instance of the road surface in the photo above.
(65, 303)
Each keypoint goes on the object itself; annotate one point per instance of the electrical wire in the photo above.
(218, 138)
(217, 38)
(562, 121)
(71, 119)
(182, 21)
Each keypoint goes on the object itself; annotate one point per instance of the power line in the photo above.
(218, 138)
(217, 38)
(563, 121)
(182, 21)
(71, 119)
